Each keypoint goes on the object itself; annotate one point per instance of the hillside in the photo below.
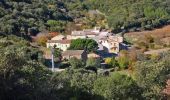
(154, 39)
(159, 32)
(41, 60)
(33, 16)
(134, 14)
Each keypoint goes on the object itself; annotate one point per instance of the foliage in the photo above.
(112, 62)
(75, 63)
(81, 44)
(41, 39)
(123, 62)
(23, 16)
(77, 84)
(130, 14)
(21, 70)
(23, 76)
(57, 55)
(123, 59)
(151, 75)
(64, 65)
(55, 26)
(93, 62)
(117, 86)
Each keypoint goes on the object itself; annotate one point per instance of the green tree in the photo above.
(117, 86)
(56, 26)
(77, 84)
(123, 62)
(151, 75)
(75, 63)
(57, 54)
(93, 62)
(21, 71)
(81, 44)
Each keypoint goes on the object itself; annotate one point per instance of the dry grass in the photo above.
(160, 33)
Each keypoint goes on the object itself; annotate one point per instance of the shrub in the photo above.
(76, 63)
(64, 65)
(93, 62)
(111, 62)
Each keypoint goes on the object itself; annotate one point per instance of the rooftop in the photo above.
(72, 52)
(60, 41)
(83, 33)
(58, 37)
(93, 55)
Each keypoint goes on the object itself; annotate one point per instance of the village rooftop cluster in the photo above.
(107, 42)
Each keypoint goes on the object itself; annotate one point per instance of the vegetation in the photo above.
(82, 44)
(75, 63)
(151, 75)
(24, 76)
(117, 86)
(21, 17)
(93, 62)
(133, 14)
(112, 62)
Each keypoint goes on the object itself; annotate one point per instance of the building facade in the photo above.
(60, 44)
(79, 54)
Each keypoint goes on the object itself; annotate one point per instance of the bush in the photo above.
(111, 62)
(123, 62)
(76, 63)
(117, 87)
(64, 65)
(93, 62)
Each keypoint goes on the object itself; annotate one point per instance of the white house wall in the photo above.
(63, 47)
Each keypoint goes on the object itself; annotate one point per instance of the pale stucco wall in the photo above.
(63, 47)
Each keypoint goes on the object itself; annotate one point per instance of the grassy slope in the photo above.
(161, 33)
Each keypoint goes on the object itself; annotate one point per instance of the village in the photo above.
(109, 45)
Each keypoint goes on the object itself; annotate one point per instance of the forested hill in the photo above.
(146, 14)
(32, 16)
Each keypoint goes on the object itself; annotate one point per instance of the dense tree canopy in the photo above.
(23, 16)
(23, 75)
(32, 16)
(82, 44)
(21, 70)
(117, 87)
(151, 75)
(128, 14)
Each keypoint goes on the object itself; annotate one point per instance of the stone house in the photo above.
(79, 54)
(86, 33)
(111, 44)
(60, 44)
